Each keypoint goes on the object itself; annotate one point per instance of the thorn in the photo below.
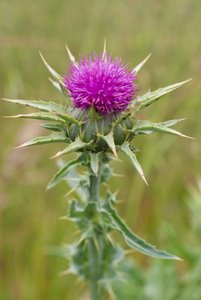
(182, 119)
(143, 177)
(71, 57)
(140, 65)
(51, 70)
(71, 191)
(188, 80)
(6, 99)
(117, 175)
(43, 59)
(9, 117)
(117, 159)
(20, 146)
(104, 50)
(56, 155)
(114, 152)
(187, 137)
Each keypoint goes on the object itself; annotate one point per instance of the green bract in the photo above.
(96, 140)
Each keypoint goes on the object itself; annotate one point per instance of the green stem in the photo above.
(94, 255)
(94, 187)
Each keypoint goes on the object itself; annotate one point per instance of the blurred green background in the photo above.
(167, 212)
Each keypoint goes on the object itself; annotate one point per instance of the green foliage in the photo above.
(41, 105)
(63, 172)
(40, 116)
(132, 240)
(173, 37)
(49, 139)
(151, 97)
(95, 136)
(125, 148)
(147, 127)
(74, 146)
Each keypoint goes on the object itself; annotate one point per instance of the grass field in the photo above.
(167, 212)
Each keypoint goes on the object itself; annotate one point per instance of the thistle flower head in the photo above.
(101, 82)
(107, 86)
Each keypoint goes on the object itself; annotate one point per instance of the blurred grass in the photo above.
(29, 216)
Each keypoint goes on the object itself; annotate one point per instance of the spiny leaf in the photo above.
(62, 173)
(109, 139)
(41, 105)
(53, 127)
(171, 123)
(125, 148)
(67, 118)
(74, 146)
(95, 158)
(132, 239)
(39, 116)
(51, 70)
(53, 138)
(141, 64)
(150, 97)
(147, 127)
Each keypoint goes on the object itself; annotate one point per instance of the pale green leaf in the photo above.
(53, 127)
(132, 239)
(141, 64)
(41, 105)
(147, 127)
(53, 138)
(171, 123)
(147, 99)
(109, 139)
(67, 117)
(39, 116)
(74, 146)
(125, 148)
(63, 172)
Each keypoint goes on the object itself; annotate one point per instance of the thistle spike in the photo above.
(71, 57)
(51, 70)
(141, 64)
(104, 50)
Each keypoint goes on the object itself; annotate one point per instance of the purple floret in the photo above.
(105, 83)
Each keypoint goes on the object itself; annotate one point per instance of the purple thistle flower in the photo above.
(103, 82)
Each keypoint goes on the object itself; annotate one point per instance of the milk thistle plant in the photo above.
(98, 119)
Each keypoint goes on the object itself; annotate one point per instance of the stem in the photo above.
(95, 291)
(94, 187)
(94, 255)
